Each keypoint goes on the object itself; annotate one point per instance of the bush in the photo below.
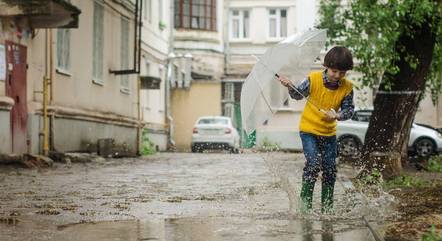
(404, 181)
(267, 145)
(435, 164)
(147, 146)
(432, 235)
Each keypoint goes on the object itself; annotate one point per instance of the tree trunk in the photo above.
(394, 110)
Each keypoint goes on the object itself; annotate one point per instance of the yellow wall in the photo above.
(203, 98)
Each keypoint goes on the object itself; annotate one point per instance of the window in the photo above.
(239, 24)
(183, 77)
(277, 23)
(214, 121)
(228, 110)
(147, 68)
(195, 14)
(175, 73)
(160, 10)
(63, 49)
(148, 10)
(229, 92)
(160, 72)
(124, 55)
(363, 116)
(97, 65)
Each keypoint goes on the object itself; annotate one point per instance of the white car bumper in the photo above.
(200, 139)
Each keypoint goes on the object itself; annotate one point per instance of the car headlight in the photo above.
(439, 134)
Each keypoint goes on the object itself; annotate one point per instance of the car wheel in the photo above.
(234, 150)
(197, 148)
(424, 147)
(348, 147)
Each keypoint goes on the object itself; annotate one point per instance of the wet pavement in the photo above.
(178, 196)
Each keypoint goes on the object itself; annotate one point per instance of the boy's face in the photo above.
(335, 74)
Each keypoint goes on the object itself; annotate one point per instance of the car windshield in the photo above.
(213, 121)
(363, 116)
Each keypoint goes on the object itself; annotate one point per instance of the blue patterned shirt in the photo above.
(347, 106)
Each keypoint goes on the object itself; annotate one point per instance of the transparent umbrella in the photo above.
(262, 94)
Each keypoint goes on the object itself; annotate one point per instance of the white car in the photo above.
(423, 141)
(215, 132)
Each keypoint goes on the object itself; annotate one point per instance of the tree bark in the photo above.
(387, 137)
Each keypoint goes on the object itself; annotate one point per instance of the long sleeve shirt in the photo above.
(303, 90)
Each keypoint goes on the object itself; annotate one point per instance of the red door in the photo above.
(16, 89)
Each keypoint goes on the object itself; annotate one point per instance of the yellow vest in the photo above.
(312, 120)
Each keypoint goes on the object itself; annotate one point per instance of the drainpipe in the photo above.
(138, 116)
(169, 119)
(45, 97)
(51, 92)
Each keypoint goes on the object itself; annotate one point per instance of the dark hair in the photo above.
(340, 58)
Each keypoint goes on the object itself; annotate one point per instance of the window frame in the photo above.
(210, 20)
(277, 17)
(64, 51)
(241, 23)
(98, 44)
(148, 10)
(124, 54)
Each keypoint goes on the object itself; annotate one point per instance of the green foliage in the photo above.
(435, 164)
(371, 28)
(267, 145)
(404, 181)
(162, 25)
(432, 235)
(249, 140)
(374, 177)
(147, 146)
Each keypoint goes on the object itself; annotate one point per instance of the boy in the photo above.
(327, 91)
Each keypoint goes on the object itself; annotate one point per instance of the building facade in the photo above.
(86, 100)
(198, 65)
(156, 34)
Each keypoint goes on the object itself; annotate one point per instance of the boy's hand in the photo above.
(331, 115)
(285, 81)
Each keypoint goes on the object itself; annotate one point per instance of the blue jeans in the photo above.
(320, 154)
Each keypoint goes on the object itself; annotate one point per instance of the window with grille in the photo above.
(98, 43)
(124, 54)
(229, 91)
(277, 23)
(239, 24)
(229, 110)
(63, 49)
(195, 14)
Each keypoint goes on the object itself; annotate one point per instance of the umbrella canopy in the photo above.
(262, 95)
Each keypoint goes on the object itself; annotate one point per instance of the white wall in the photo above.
(155, 45)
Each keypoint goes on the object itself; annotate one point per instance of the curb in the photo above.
(348, 185)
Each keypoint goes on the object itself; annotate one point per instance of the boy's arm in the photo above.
(304, 88)
(347, 107)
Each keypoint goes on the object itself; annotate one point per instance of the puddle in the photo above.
(215, 229)
(179, 197)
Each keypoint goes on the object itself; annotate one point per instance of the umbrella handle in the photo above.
(321, 110)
